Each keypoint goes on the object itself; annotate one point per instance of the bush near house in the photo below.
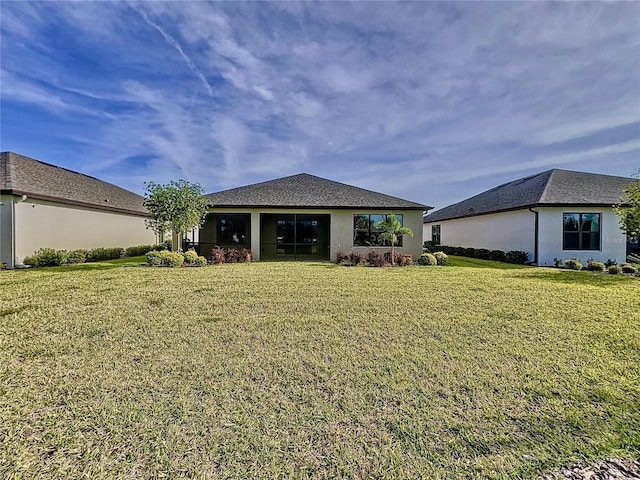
(595, 266)
(50, 257)
(573, 264)
(230, 255)
(427, 259)
(512, 256)
(139, 250)
(100, 254)
(615, 270)
(628, 268)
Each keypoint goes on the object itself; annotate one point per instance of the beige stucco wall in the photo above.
(612, 240)
(498, 231)
(341, 229)
(39, 223)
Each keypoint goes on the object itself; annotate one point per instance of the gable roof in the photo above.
(308, 191)
(20, 175)
(551, 188)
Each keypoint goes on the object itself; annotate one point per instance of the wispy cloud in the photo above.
(429, 101)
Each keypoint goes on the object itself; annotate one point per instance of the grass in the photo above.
(282, 370)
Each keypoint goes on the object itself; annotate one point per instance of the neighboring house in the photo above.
(557, 214)
(303, 217)
(42, 205)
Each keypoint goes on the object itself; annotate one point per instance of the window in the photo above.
(435, 234)
(231, 230)
(581, 231)
(365, 233)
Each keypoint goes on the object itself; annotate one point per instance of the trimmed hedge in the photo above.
(230, 255)
(512, 256)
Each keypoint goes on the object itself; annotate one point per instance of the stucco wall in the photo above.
(47, 224)
(612, 240)
(498, 231)
(341, 229)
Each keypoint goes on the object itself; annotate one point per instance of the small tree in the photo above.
(179, 206)
(392, 230)
(629, 209)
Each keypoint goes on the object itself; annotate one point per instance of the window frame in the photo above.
(234, 222)
(436, 237)
(581, 233)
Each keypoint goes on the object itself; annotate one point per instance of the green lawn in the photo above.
(310, 370)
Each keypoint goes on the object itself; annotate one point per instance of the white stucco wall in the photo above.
(341, 228)
(39, 223)
(612, 239)
(498, 231)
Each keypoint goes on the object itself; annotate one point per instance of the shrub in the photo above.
(200, 262)
(167, 245)
(355, 258)
(427, 259)
(31, 260)
(429, 246)
(341, 257)
(171, 259)
(558, 262)
(190, 256)
(610, 262)
(375, 259)
(469, 252)
(77, 256)
(245, 255)
(441, 258)
(483, 253)
(99, 254)
(516, 256)
(217, 256)
(406, 259)
(48, 257)
(139, 250)
(392, 258)
(615, 270)
(595, 266)
(154, 258)
(628, 268)
(573, 264)
(231, 255)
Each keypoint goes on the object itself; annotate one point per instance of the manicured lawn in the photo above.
(282, 370)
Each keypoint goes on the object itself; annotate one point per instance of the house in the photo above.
(304, 217)
(43, 205)
(557, 214)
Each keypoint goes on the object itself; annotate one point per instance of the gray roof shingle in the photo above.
(553, 187)
(308, 191)
(20, 175)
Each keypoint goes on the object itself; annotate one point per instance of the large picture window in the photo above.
(231, 230)
(365, 233)
(581, 231)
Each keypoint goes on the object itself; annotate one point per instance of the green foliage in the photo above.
(595, 266)
(165, 258)
(154, 258)
(441, 258)
(139, 250)
(77, 256)
(628, 268)
(99, 254)
(179, 207)
(517, 256)
(392, 231)
(190, 256)
(171, 259)
(615, 270)
(629, 209)
(427, 259)
(573, 264)
(199, 262)
(49, 257)
(633, 258)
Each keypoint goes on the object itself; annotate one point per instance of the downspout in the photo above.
(535, 237)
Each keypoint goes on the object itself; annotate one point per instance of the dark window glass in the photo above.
(285, 232)
(435, 234)
(581, 231)
(231, 230)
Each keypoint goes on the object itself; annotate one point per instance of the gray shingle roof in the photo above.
(20, 175)
(308, 191)
(553, 187)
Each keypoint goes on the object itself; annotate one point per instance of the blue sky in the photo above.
(428, 101)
